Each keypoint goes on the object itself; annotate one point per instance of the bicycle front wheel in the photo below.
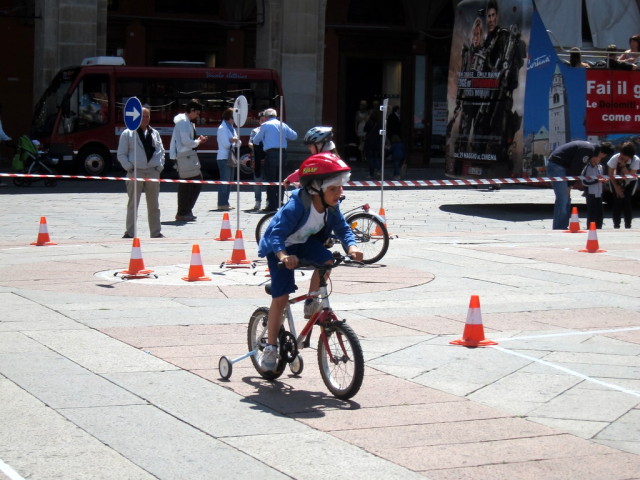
(371, 235)
(340, 360)
(263, 223)
(257, 340)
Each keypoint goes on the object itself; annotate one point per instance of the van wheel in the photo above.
(94, 161)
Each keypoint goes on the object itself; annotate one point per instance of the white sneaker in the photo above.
(269, 358)
(311, 306)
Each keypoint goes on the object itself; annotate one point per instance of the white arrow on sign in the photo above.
(135, 114)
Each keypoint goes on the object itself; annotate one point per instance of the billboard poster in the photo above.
(507, 111)
(564, 103)
(554, 102)
(487, 76)
(613, 101)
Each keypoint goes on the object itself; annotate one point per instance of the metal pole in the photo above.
(280, 161)
(383, 135)
(135, 188)
(237, 180)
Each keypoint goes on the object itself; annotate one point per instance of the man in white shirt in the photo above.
(141, 154)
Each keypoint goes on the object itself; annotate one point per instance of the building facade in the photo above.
(330, 54)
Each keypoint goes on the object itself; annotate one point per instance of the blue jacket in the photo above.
(293, 215)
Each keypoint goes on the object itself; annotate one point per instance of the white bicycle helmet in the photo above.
(318, 135)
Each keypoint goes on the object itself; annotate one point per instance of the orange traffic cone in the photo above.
(473, 335)
(196, 270)
(592, 241)
(136, 264)
(238, 257)
(574, 223)
(43, 234)
(377, 232)
(225, 230)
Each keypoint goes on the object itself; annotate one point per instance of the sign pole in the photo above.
(383, 135)
(135, 193)
(240, 111)
(280, 160)
(238, 181)
(132, 120)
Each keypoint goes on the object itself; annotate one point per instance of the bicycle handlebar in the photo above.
(338, 258)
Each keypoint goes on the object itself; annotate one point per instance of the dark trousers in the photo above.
(594, 210)
(188, 194)
(397, 155)
(621, 205)
(271, 173)
(373, 156)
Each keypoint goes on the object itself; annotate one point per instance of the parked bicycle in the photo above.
(369, 229)
(339, 353)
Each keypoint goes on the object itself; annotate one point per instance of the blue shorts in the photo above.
(282, 279)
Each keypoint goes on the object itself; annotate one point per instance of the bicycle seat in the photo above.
(267, 288)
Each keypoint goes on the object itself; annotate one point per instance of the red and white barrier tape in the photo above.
(365, 183)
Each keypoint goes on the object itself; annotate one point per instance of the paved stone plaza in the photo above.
(104, 378)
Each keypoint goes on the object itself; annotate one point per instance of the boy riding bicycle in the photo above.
(299, 230)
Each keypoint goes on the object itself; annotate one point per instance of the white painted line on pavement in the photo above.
(26, 247)
(568, 334)
(9, 472)
(569, 371)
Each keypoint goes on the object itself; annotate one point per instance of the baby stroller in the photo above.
(29, 160)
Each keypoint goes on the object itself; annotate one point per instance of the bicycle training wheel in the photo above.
(257, 340)
(263, 223)
(340, 360)
(371, 235)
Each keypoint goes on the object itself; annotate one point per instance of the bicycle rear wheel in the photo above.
(257, 340)
(262, 225)
(340, 360)
(371, 235)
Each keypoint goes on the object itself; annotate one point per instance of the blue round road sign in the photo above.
(133, 113)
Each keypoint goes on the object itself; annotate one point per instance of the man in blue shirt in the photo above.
(269, 136)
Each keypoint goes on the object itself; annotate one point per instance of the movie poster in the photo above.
(487, 76)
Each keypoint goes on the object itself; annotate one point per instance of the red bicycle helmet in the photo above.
(321, 166)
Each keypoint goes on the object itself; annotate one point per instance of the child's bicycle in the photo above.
(339, 353)
(28, 159)
(369, 229)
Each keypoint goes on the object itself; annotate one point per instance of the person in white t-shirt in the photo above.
(626, 162)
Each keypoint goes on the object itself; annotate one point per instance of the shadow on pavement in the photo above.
(281, 396)
(512, 212)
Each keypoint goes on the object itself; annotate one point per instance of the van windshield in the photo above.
(46, 111)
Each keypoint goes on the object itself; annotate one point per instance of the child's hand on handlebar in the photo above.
(289, 261)
(355, 254)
